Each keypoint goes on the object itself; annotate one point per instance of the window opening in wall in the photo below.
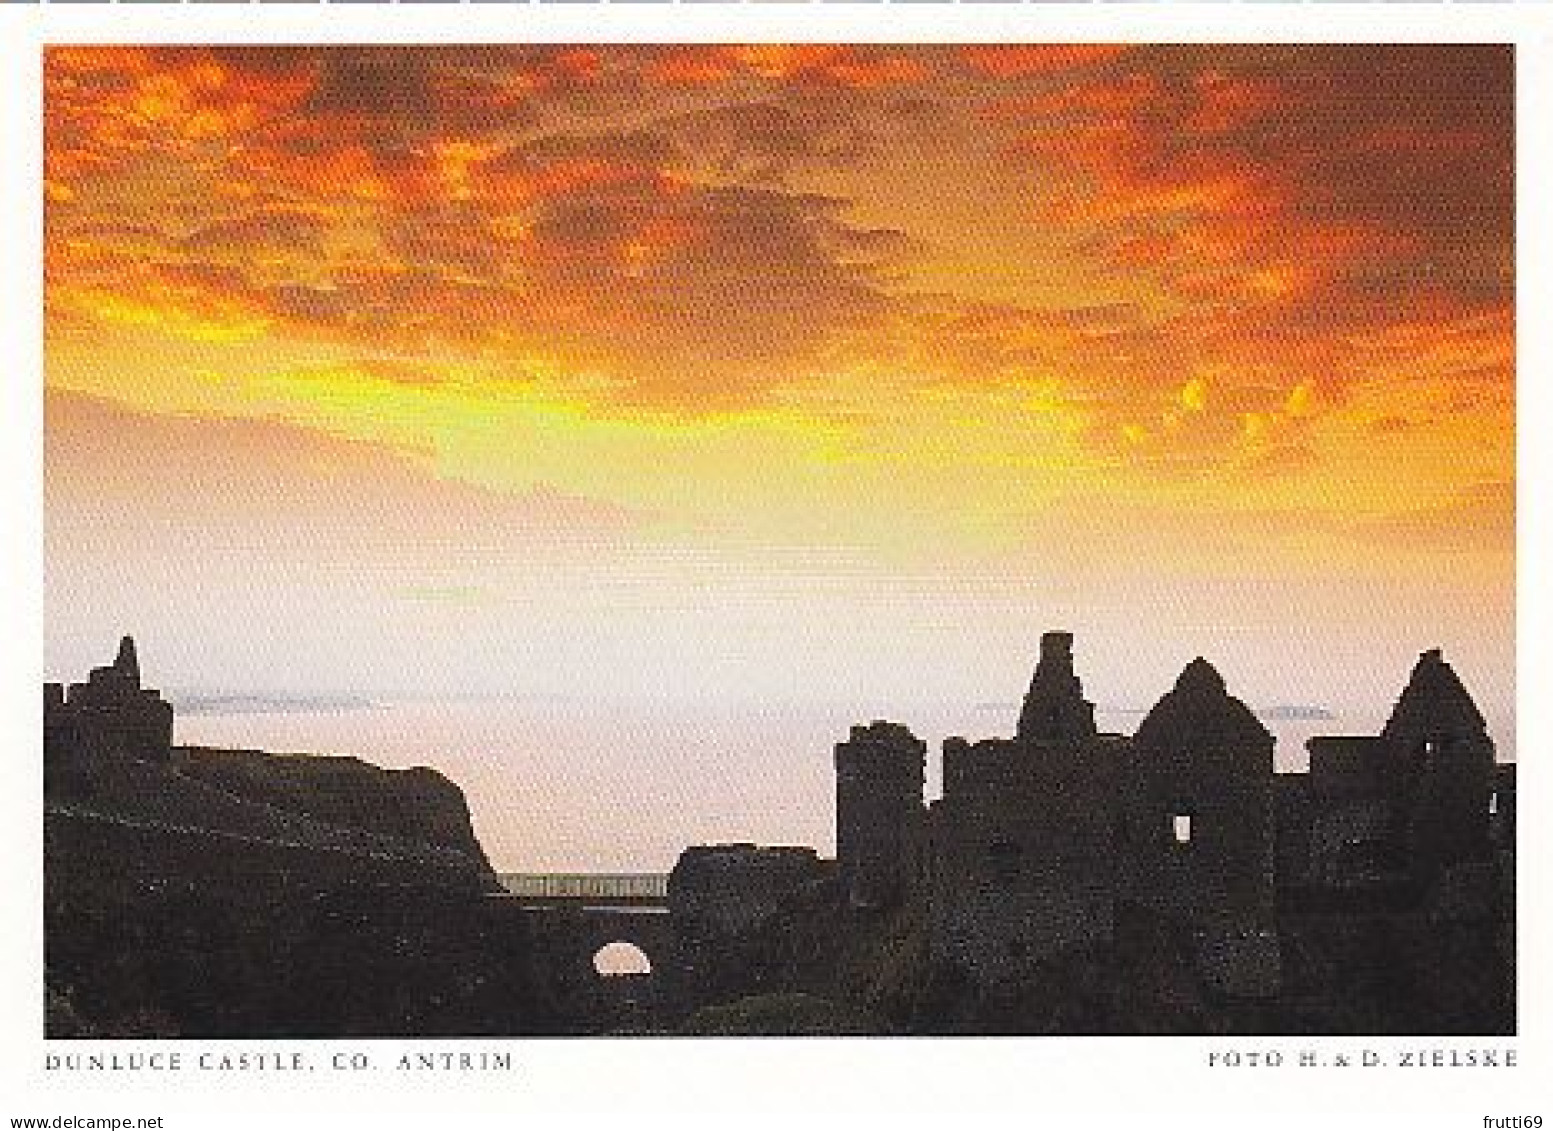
(1181, 827)
(1493, 804)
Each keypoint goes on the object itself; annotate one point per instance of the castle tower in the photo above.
(111, 715)
(1055, 709)
(1024, 861)
(879, 816)
(127, 663)
(1442, 762)
(1196, 825)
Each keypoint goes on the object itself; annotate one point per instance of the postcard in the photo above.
(792, 559)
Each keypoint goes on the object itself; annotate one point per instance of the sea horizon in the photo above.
(567, 784)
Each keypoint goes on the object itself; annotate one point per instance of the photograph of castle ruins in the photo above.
(779, 540)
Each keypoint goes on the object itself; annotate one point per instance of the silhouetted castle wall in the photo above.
(1038, 840)
(879, 813)
(110, 716)
(1390, 812)
(1501, 824)
(1024, 836)
(1196, 810)
(731, 888)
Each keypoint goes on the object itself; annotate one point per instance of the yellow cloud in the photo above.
(172, 319)
(1194, 395)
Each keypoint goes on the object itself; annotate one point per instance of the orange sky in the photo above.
(781, 371)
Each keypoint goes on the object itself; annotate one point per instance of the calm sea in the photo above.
(568, 787)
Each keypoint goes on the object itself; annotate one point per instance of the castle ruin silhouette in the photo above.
(1066, 880)
(109, 718)
(1039, 839)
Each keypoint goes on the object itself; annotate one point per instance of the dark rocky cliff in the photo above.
(242, 894)
(415, 807)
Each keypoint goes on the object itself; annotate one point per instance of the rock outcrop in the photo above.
(416, 807)
(234, 893)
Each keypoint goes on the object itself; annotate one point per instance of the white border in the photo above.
(1165, 1082)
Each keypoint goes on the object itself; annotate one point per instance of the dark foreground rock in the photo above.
(782, 1015)
(239, 894)
(1441, 964)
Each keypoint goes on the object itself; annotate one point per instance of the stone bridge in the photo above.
(585, 931)
(570, 929)
(605, 889)
(590, 910)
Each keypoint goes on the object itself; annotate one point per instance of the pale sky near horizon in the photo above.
(781, 374)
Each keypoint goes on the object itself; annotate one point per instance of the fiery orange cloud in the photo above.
(695, 66)
(1019, 61)
(1189, 236)
(780, 373)
(1274, 211)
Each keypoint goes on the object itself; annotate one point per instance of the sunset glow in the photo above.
(782, 373)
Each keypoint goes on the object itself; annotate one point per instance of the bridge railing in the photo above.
(587, 885)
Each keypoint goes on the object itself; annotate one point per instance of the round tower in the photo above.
(879, 780)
